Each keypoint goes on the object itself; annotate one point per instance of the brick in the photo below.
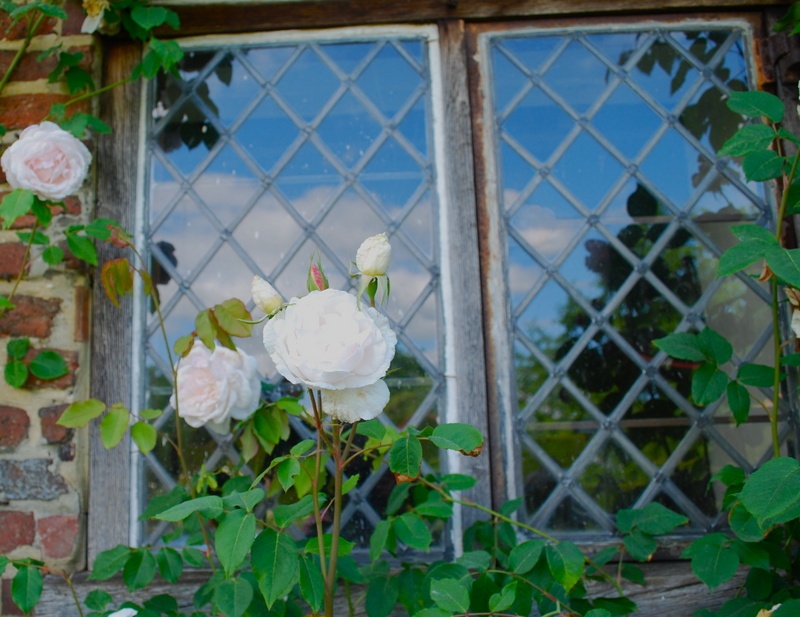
(30, 69)
(20, 28)
(52, 432)
(67, 381)
(30, 317)
(30, 479)
(75, 17)
(22, 110)
(12, 257)
(58, 535)
(19, 529)
(14, 423)
(66, 452)
(7, 606)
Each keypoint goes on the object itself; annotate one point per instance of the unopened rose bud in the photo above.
(265, 296)
(372, 258)
(317, 281)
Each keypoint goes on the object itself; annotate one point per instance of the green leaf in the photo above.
(109, 562)
(598, 612)
(97, 599)
(205, 329)
(742, 255)
(525, 556)
(755, 104)
(17, 349)
(210, 504)
(48, 365)
(405, 457)
(715, 346)
(37, 238)
(475, 560)
(232, 597)
(15, 204)
(53, 255)
(747, 139)
(312, 546)
(287, 470)
(713, 560)
(233, 539)
(80, 413)
(463, 438)
(302, 447)
(26, 588)
(194, 557)
(655, 519)
(708, 384)
(312, 585)
(139, 570)
(738, 401)
(785, 264)
(227, 319)
(435, 507)
(382, 594)
(682, 345)
(412, 531)
(291, 406)
(7, 305)
(788, 608)
(758, 375)
(82, 248)
(762, 165)
(640, 545)
(275, 564)
(450, 594)
(374, 429)
(501, 601)
(170, 564)
(15, 373)
(772, 492)
(149, 17)
(433, 612)
(113, 426)
(144, 435)
(566, 563)
(287, 514)
(379, 538)
(744, 524)
(458, 482)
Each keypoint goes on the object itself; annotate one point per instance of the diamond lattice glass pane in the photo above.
(599, 169)
(264, 155)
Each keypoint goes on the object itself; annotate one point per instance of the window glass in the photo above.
(262, 155)
(615, 208)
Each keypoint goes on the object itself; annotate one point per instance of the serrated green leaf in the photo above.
(747, 139)
(435, 507)
(53, 255)
(525, 556)
(412, 531)
(286, 471)
(755, 104)
(744, 524)
(6, 304)
(682, 345)
(566, 563)
(82, 248)
(302, 447)
(227, 320)
(463, 438)
(170, 564)
(713, 560)
(762, 165)
(350, 484)
(139, 570)
(48, 365)
(26, 588)
(785, 264)
(287, 514)
(80, 413)
(275, 564)
(640, 545)
(708, 384)
(233, 539)
(232, 597)
(15, 374)
(113, 426)
(772, 492)
(312, 546)
(210, 505)
(758, 375)
(382, 594)
(499, 602)
(379, 538)
(738, 401)
(109, 562)
(97, 599)
(715, 346)
(312, 585)
(655, 519)
(374, 429)
(450, 594)
(405, 457)
(15, 204)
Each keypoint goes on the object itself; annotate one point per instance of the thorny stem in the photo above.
(25, 262)
(330, 580)
(68, 580)
(315, 489)
(33, 27)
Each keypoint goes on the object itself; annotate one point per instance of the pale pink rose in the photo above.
(47, 160)
(354, 404)
(372, 258)
(325, 341)
(215, 386)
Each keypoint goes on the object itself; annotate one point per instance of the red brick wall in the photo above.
(42, 465)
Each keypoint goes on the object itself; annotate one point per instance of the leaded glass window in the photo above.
(262, 154)
(612, 209)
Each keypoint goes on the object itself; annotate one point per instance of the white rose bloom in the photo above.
(214, 387)
(354, 404)
(47, 160)
(373, 255)
(265, 295)
(124, 612)
(324, 341)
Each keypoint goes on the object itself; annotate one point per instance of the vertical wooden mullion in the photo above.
(116, 167)
(463, 259)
